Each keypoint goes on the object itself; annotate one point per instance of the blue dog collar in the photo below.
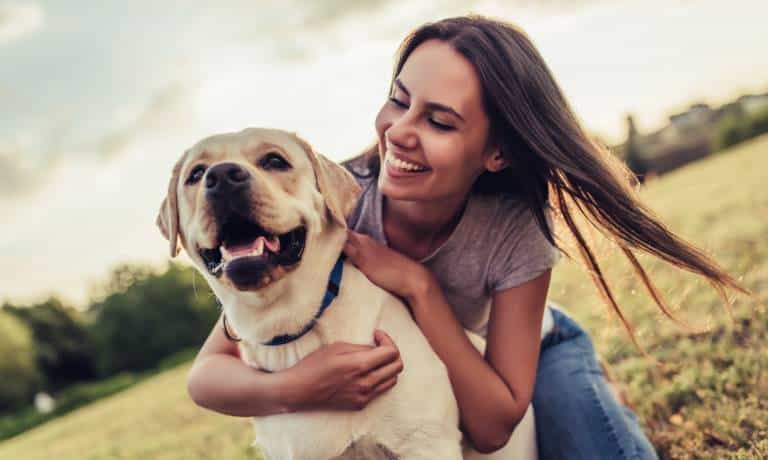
(334, 282)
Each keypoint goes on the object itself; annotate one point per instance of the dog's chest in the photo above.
(277, 358)
(344, 321)
(367, 448)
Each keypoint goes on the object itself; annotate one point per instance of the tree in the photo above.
(759, 122)
(63, 351)
(735, 128)
(144, 317)
(20, 377)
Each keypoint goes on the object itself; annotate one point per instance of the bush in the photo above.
(759, 124)
(731, 131)
(68, 400)
(144, 317)
(736, 129)
(63, 352)
(20, 377)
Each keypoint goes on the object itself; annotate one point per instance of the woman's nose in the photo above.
(402, 133)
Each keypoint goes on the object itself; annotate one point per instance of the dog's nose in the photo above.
(226, 177)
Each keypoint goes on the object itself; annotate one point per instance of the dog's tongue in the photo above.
(255, 247)
(273, 244)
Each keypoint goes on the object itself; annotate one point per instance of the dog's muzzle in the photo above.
(245, 250)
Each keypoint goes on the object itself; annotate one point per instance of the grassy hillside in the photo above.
(706, 398)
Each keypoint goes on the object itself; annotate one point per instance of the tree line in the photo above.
(736, 129)
(139, 318)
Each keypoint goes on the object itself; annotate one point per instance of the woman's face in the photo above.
(433, 130)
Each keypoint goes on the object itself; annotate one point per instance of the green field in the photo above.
(706, 397)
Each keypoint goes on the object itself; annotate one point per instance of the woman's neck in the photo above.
(417, 228)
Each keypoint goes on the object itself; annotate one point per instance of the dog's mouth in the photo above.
(246, 250)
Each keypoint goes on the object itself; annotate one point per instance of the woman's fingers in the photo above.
(385, 352)
(372, 359)
(352, 246)
(383, 373)
(382, 387)
(361, 249)
(382, 338)
(346, 347)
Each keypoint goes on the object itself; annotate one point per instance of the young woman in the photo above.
(477, 148)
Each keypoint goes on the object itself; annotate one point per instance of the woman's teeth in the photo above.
(403, 165)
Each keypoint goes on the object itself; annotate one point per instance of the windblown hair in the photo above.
(552, 159)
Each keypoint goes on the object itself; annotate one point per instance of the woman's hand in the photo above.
(345, 376)
(387, 268)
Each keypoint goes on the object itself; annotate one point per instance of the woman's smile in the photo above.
(396, 167)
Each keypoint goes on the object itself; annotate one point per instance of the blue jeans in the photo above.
(577, 416)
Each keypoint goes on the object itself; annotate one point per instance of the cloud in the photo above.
(18, 20)
(170, 110)
(16, 178)
(25, 166)
(330, 11)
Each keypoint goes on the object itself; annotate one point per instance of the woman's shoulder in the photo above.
(502, 209)
(520, 249)
(360, 167)
(507, 220)
(364, 212)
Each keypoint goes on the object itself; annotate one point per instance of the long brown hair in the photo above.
(552, 159)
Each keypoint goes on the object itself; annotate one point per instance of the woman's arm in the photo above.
(220, 381)
(336, 376)
(493, 391)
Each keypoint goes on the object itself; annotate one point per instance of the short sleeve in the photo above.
(365, 184)
(522, 252)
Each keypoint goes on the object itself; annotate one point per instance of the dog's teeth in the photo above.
(259, 249)
(273, 244)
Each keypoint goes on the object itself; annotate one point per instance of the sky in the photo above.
(98, 99)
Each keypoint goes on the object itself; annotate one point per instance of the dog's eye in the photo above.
(274, 161)
(196, 174)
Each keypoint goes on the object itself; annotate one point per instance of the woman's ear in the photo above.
(496, 161)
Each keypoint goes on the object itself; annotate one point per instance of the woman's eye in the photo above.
(196, 174)
(398, 103)
(441, 126)
(274, 161)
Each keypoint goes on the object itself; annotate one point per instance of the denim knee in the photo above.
(576, 413)
(564, 328)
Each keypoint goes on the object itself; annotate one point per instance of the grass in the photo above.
(705, 397)
(80, 394)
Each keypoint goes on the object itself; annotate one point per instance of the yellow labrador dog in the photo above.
(263, 217)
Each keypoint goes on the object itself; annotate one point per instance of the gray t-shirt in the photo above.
(496, 245)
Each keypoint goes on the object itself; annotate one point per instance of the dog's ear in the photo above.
(338, 187)
(168, 216)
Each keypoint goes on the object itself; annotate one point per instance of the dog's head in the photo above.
(245, 206)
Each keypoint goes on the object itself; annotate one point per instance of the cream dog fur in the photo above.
(263, 218)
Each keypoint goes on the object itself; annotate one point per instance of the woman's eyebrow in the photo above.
(431, 105)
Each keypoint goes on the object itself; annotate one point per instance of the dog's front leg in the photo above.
(367, 449)
(433, 449)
